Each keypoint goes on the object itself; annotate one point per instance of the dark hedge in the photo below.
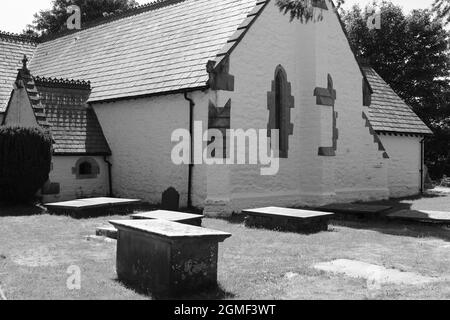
(25, 162)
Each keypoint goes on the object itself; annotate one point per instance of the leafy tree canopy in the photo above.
(442, 8)
(52, 21)
(301, 9)
(411, 52)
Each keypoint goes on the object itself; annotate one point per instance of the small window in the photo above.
(86, 168)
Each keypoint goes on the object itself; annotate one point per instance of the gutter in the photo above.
(105, 158)
(149, 95)
(191, 131)
(422, 159)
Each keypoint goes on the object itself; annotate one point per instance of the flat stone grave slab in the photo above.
(93, 207)
(167, 259)
(441, 190)
(360, 210)
(284, 219)
(422, 216)
(106, 231)
(180, 217)
(174, 216)
(374, 274)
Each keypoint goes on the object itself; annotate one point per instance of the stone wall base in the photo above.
(223, 208)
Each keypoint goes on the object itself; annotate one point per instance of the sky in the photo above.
(16, 14)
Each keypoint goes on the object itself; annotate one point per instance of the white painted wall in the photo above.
(139, 131)
(404, 165)
(308, 52)
(139, 134)
(73, 188)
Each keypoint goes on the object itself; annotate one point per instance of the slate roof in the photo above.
(388, 112)
(74, 125)
(12, 49)
(163, 48)
(159, 48)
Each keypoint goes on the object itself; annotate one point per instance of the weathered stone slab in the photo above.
(180, 217)
(90, 203)
(422, 215)
(167, 259)
(356, 209)
(441, 190)
(107, 231)
(93, 207)
(374, 274)
(284, 219)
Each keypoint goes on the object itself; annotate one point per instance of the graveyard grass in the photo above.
(36, 251)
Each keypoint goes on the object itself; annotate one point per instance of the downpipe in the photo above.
(105, 159)
(191, 131)
(422, 159)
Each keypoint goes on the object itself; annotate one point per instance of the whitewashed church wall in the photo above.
(72, 188)
(308, 53)
(139, 133)
(404, 165)
(360, 169)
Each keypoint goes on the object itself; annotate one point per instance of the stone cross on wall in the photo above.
(25, 62)
(327, 97)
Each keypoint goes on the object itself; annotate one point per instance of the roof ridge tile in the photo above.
(18, 38)
(62, 83)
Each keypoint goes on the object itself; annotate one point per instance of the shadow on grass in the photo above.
(399, 203)
(398, 228)
(213, 293)
(21, 210)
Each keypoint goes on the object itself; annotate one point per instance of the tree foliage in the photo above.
(442, 9)
(410, 52)
(52, 21)
(302, 10)
(25, 160)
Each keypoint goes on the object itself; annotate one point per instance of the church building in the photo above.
(113, 93)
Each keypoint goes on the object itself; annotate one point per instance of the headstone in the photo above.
(170, 200)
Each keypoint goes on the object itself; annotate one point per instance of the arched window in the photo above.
(280, 103)
(86, 168)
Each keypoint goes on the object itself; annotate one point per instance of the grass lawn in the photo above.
(36, 251)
